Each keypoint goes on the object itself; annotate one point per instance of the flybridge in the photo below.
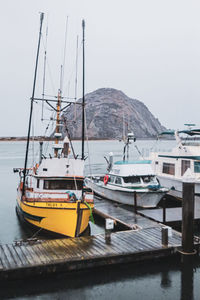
(190, 131)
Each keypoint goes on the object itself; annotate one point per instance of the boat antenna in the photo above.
(83, 98)
(32, 99)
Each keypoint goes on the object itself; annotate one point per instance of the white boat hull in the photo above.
(145, 197)
(176, 184)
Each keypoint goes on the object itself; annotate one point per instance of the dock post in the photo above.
(135, 202)
(164, 231)
(188, 214)
(164, 210)
(109, 225)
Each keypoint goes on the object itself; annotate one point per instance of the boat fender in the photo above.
(105, 180)
(153, 187)
(21, 186)
(35, 168)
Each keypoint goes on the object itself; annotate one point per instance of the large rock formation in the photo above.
(110, 113)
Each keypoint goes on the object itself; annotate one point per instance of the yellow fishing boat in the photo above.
(50, 194)
(54, 198)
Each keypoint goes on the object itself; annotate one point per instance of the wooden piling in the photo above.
(164, 233)
(135, 202)
(188, 216)
(164, 210)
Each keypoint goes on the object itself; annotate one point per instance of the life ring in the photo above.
(106, 178)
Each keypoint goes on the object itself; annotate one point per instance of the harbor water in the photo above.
(160, 279)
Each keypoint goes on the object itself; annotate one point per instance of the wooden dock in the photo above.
(174, 214)
(21, 260)
(127, 218)
(142, 241)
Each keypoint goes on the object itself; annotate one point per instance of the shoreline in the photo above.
(49, 139)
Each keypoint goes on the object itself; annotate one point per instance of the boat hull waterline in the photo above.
(145, 198)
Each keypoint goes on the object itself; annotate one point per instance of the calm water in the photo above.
(160, 280)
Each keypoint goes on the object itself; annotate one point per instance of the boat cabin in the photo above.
(132, 173)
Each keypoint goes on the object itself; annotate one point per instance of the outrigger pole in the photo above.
(83, 97)
(32, 99)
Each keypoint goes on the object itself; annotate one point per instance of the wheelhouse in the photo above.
(59, 183)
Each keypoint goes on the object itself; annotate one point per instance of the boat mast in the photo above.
(83, 98)
(32, 99)
(57, 122)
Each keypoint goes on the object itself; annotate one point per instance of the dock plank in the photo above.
(55, 252)
(21, 256)
(28, 255)
(4, 259)
(73, 247)
(68, 249)
(59, 245)
(1, 264)
(40, 251)
(12, 259)
(34, 253)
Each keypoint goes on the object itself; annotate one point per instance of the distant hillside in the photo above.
(106, 108)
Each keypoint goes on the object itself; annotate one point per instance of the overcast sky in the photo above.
(149, 49)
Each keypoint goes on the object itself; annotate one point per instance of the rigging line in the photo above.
(75, 92)
(35, 234)
(44, 70)
(49, 70)
(86, 131)
(64, 55)
(72, 70)
(51, 122)
(136, 147)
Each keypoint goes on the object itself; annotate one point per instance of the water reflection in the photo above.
(152, 281)
(187, 277)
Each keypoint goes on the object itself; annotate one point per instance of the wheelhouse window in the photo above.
(63, 184)
(197, 167)
(111, 179)
(118, 180)
(38, 183)
(149, 179)
(185, 164)
(169, 168)
(131, 179)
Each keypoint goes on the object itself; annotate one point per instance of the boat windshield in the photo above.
(149, 179)
(131, 179)
(63, 184)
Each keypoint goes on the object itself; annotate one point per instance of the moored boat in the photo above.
(126, 177)
(170, 167)
(50, 194)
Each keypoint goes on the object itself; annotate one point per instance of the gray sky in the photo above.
(149, 49)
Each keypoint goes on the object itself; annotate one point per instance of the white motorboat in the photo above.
(170, 167)
(126, 177)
